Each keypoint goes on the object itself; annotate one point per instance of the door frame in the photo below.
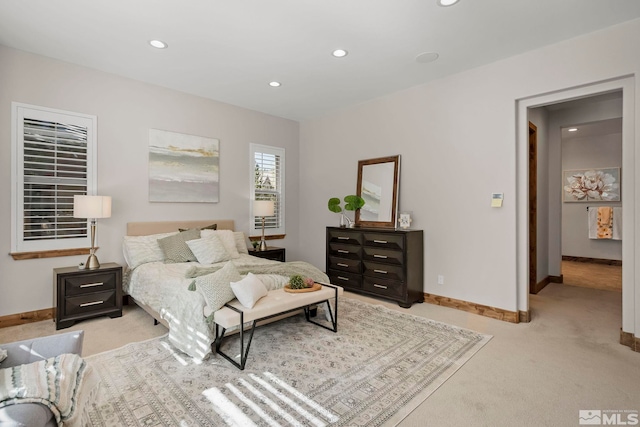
(630, 202)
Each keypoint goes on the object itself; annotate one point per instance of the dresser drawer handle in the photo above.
(90, 285)
(379, 286)
(384, 242)
(341, 264)
(343, 278)
(380, 256)
(342, 251)
(87, 304)
(380, 271)
(342, 238)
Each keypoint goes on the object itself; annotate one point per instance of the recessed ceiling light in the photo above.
(339, 53)
(426, 57)
(158, 44)
(446, 3)
(572, 129)
(274, 84)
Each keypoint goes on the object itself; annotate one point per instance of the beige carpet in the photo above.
(537, 374)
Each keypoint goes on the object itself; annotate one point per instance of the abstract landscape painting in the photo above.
(183, 168)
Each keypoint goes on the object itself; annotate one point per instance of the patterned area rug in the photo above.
(378, 367)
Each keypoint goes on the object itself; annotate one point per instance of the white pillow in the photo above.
(249, 290)
(227, 238)
(208, 250)
(241, 242)
(138, 250)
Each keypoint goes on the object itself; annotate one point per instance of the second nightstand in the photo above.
(272, 252)
(82, 294)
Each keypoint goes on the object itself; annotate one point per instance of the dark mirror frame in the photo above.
(396, 190)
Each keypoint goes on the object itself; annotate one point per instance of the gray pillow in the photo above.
(216, 287)
(208, 227)
(175, 248)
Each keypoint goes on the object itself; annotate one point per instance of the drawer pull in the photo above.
(380, 256)
(343, 278)
(379, 286)
(342, 251)
(341, 264)
(384, 242)
(90, 285)
(343, 238)
(380, 271)
(87, 304)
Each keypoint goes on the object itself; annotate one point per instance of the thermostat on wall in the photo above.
(496, 200)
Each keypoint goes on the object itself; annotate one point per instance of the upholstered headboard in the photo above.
(146, 228)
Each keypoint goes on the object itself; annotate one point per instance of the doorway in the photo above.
(553, 251)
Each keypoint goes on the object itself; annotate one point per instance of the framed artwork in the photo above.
(183, 168)
(405, 220)
(588, 185)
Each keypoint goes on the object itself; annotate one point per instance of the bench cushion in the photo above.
(275, 302)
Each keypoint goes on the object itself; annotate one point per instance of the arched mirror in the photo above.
(378, 185)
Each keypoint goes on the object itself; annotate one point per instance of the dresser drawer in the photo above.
(345, 236)
(345, 251)
(344, 264)
(82, 284)
(384, 240)
(383, 255)
(383, 287)
(383, 271)
(346, 280)
(93, 302)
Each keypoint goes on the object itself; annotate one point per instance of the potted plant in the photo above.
(351, 203)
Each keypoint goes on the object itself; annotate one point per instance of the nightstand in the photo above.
(272, 252)
(83, 294)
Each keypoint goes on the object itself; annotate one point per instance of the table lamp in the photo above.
(92, 207)
(263, 208)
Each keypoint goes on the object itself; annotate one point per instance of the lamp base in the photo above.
(263, 245)
(92, 262)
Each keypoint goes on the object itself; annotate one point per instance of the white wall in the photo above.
(582, 153)
(457, 138)
(126, 110)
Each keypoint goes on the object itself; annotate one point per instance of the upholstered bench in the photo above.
(275, 303)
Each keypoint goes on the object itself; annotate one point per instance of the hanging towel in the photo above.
(605, 222)
(617, 223)
(592, 214)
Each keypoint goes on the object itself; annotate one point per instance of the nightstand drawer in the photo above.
(90, 303)
(76, 285)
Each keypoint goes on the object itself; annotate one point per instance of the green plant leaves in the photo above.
(353, 202)
(334, 205)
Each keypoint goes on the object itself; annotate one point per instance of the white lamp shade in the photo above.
(91, 206)
(263, 208)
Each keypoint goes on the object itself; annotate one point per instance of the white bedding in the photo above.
(163, 287)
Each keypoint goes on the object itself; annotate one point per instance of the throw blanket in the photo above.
(65, 384)
(282, 268)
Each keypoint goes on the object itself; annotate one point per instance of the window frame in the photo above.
(20, 111)
(254, 228)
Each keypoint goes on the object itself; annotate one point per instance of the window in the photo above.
(53, 158)
(267, 183)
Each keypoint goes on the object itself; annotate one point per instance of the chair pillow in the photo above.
(249, 290)
(175, 247)
(208, 250)
(216, 288)
(227, 238)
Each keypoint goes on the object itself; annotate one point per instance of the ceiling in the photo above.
(229, 50)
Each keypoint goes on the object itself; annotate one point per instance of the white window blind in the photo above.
(267, 179)
(53, 161)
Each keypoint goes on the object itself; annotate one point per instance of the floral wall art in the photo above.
(183, 168)
(588, 185)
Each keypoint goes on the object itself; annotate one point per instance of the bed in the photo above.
(171, 290)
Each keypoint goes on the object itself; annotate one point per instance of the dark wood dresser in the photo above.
(381, 262)
(82, 294)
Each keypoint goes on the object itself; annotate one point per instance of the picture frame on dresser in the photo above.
(383, 263)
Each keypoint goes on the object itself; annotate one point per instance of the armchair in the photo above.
(29, 351)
